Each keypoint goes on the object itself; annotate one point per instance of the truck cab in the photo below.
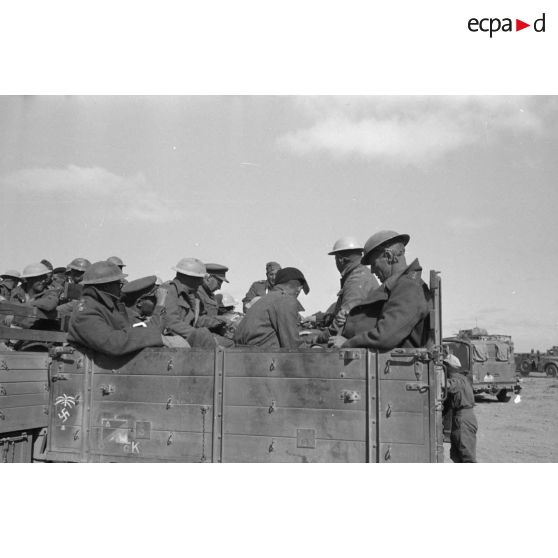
(489, 361)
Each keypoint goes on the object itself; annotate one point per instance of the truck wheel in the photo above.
(525, 367)
(503, 395)
(551, 369)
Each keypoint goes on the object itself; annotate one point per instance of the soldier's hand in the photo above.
(337, 341)
(175, 341)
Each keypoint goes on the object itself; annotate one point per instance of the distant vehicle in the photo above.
(489, 360)
(537, 362)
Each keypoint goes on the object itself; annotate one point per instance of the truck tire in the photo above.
(504, 395)
(551, 369)
(525, 367)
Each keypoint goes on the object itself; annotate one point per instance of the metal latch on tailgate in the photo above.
(421, 387)
(349, 354)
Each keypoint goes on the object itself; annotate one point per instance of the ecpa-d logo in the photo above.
(493, 25)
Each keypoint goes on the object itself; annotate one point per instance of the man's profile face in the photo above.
(379, 265)
(37, 284)
(213, 283)
(271, 276)
(76, 276)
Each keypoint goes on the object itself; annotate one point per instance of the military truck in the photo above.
(489, 359)
(537, 362)
(225, 405)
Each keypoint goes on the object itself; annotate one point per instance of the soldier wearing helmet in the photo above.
(272, 322)
(100, 322)
(261, 288)
(72, 289)
(356, 284)
(76, 268)
(118, 261)
(459, 404)
(182, 305)
(9, 286)
(35, 293)
(395, 314)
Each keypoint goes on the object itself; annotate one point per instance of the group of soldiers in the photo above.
(110, 315)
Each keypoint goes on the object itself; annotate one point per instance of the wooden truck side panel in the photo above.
(242, 405)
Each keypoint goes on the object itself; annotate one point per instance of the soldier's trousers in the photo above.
(464, 436)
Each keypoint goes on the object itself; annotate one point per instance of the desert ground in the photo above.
(524, 432)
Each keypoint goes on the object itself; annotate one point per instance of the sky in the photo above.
(242, 180)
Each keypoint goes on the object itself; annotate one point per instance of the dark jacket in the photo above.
(209, 308)
(17, 294)
(182, 315)
(460, 392)
(394, 315)
(357, 282)
(257, 288)
(272, 322)
(182, 308)
(98, 323)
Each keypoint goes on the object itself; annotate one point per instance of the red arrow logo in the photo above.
(519, 25)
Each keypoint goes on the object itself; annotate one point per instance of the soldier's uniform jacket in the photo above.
(208, 304)
(17, 294)
(464, 426)
(272, 322)
(182, 309)
(209, 308)
(46, 302)
(394, 315)
(157, 319)
(258, 288)
(97, 322)
(357, 282)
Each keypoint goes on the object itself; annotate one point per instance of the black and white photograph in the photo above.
(268, 273)
(210, 271)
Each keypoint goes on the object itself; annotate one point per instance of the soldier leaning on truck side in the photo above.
(261, 288)
(357, 282)
(99, 321)
(272, 322)
(395, 314)
(464, 426)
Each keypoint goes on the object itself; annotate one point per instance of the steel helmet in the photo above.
(11, 273)
(79, 264)
(116, 260)
(35, 270)
(191, 266)
(376, 240)
(453, 361)
(102, 272)
(227, 300)
(345, 243)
